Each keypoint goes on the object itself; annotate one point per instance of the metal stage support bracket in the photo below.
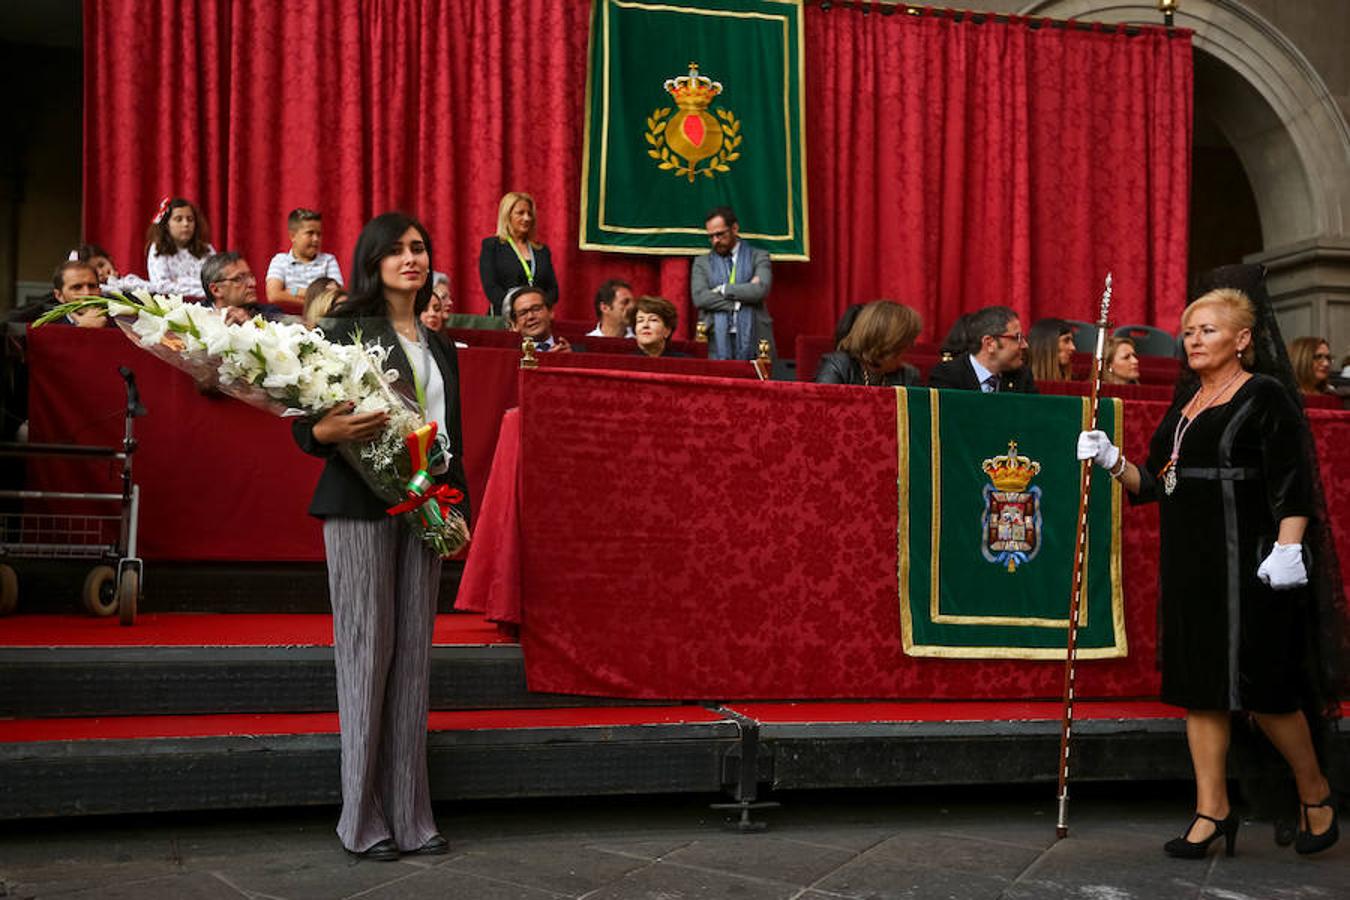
(741, 775)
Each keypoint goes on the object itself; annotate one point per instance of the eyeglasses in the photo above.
(530, 310)
(1019, 337)
(250, 278)
(1322, 357)
(718, 235)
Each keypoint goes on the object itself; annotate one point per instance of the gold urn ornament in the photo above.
(693, 141)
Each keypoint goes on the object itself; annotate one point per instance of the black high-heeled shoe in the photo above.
(1225, 828)
(1307, 842)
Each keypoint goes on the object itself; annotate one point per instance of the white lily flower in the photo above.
(150, 328)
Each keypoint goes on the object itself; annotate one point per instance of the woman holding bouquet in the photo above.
(383, 580)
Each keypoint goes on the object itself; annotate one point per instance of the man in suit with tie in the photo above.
(995, 361)
(530, 314)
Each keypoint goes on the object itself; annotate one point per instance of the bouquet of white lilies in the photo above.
(291, 370)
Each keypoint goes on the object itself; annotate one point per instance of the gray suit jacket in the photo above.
(748, 293)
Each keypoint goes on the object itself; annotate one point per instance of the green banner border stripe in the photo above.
(1102, 636)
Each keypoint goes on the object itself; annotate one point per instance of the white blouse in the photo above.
(177, 274)
(427, 375)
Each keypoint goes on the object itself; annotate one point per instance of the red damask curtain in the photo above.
(952, 164)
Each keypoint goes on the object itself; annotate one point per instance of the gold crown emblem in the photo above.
(693, 91)
(1011, 472)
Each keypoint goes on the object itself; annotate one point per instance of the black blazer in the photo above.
(341, 491)
(840, 368)
(957, 373)
(500, 270)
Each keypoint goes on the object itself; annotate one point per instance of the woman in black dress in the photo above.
(1228, 468)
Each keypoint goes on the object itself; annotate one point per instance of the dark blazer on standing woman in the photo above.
(342, 492)
(958, 373)
(500, 270)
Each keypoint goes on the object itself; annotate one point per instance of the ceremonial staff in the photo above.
(1079, 556)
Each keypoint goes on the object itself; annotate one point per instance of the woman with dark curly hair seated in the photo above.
(653, 324)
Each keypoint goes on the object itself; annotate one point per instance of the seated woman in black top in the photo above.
(655, 323)
(513, 256)
(872, 352)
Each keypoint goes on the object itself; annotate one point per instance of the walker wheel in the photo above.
(9, 590)
(100, 591)
(128, 592)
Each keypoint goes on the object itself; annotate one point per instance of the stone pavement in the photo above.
(986, 843)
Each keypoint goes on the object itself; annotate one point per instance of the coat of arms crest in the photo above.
(693, 142)
(1012, 512)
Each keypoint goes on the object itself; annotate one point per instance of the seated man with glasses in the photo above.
(230, 285)
(995, 357)
(530, 314)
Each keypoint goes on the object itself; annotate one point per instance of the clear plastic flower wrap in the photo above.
(289, 369)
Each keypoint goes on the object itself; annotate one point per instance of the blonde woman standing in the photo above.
(1228, 468)
(514, 256)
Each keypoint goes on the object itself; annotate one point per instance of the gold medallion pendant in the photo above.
(693, 141)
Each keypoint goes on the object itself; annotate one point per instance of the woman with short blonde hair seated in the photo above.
(1122, 362)
(872, 353)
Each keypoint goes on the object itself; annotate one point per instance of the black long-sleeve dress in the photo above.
(1228, 640)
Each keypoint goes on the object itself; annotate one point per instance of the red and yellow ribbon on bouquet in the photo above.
(434, 499)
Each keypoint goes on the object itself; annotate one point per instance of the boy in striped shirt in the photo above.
(290, 273)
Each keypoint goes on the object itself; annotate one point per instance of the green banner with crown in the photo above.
(690, 105)
(989, 491)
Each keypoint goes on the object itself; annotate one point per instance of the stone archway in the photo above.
(1290, 135)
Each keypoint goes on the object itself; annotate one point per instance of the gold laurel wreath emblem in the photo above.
(682, 168)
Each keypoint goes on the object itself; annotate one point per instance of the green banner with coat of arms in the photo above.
(989, 493)
(691, 105)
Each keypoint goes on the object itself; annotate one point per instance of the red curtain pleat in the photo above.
(950, 164)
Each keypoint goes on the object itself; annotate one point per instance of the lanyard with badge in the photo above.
(420, 384)
(524, 263)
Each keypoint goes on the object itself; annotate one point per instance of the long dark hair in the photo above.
(158, 234)
(1043, 350)
(365, 297)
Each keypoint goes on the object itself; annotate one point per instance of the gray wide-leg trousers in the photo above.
(382, 583)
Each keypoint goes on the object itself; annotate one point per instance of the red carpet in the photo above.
(213, 630)
(18, 731)
(951, 711)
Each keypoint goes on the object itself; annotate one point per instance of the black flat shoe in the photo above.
(382, 851)
(1307, 842)
(1225, 828)
(435, 846)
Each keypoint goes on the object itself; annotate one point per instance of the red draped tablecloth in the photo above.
(723, 539)
(223, 481)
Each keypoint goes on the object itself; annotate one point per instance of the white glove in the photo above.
(1283, 568)
(1096, 446)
